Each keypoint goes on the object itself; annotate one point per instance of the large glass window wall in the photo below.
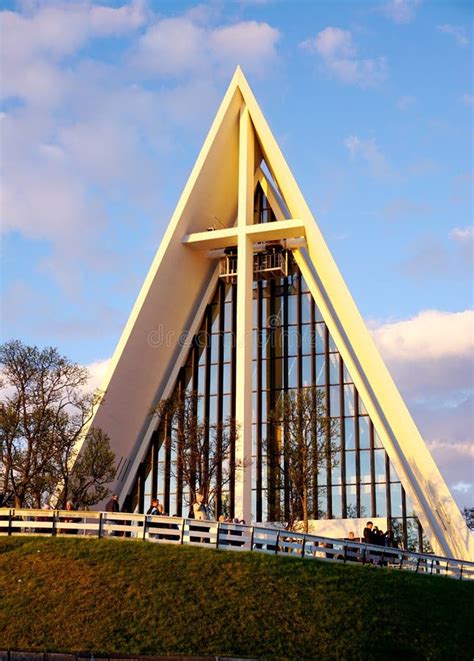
(292, 349)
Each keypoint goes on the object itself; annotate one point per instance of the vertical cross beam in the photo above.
(243, 408)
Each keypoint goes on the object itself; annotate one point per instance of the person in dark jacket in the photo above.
(368, 533)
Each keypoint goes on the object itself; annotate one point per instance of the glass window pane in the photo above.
(362, 409)
(335, 400)
(212, 409)
(214, 379)
(332, 344)
(292, 373)
(320, 370)
(226, 406)
(396, 499)
(349, 433)
(350, 467)
(214, 348)
(365, 465)
(201, 379)
(305, 307)
(336, 468)
(347, 376)
(294, 340)
(306, 338)
(226, 379)
(319, 316)
(365, 506)
(292, 309)
(351, 498)
(380, 495)
(364, 439)
(322, 503)
(379, 461)
(227, 346)
(348, 400)
(334, 368)
(306, 376)
(320, 335)
(336, 502)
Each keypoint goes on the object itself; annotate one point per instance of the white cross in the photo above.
(244, 235)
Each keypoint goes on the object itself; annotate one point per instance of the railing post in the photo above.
(251, 538)
(101, 518)
(460, 572)
(144, 526)
(277, 542)
(303, 545)
(217, 535)
(54, 528)
(9, 522)
(181, 541)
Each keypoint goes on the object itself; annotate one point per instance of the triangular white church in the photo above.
(241, 196)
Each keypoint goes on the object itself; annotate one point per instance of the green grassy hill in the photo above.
(106, 596)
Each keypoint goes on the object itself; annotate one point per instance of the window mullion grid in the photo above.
(388, 494)
(259, 468)
(220, 397)
(357, 450)
(342, 438)
(167, 465)
(328, 428)
(285, 384)
(404, 517)
(232, 403)
(373, 495)
(313, 384)
(272, 449)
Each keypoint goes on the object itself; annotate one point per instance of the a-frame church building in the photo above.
(244, 301)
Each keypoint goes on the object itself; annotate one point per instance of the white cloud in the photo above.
(430, 358)
(339, 56)
(456, 31)
(183, 45)
(463, 487)
(97, 371)
(251, 44)
(87, 135)
(400, 11)
(431, 335)
(369, 152)
(463, 234)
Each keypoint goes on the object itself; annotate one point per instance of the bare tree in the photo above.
(304, 439)
(43, 413)
(202, 451)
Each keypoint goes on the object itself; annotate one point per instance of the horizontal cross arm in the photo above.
(280, 229)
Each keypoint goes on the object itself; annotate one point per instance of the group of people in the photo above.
(373, 535)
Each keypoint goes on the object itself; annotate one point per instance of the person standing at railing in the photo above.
(70, 508)
(113, 506)
(201, 513)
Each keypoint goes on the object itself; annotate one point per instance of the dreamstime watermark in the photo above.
(274, 335)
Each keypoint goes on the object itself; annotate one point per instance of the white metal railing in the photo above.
(228, 536)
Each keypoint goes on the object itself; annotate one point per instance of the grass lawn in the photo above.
(118, 596)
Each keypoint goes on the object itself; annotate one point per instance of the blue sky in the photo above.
(106, 104)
